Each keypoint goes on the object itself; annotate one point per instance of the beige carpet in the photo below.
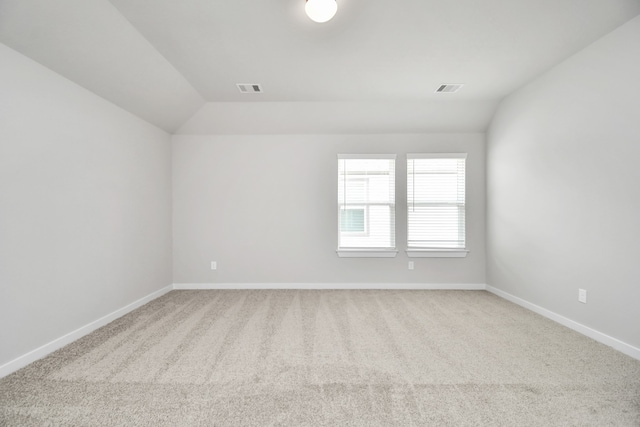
(306, 358)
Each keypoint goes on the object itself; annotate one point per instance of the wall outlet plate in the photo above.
(214, 265)
(582, 296)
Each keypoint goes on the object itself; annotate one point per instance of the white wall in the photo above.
(265, 208)
(85, 216)
(563, 203)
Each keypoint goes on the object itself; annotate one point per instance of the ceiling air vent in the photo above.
(449, 88)
(249, 88)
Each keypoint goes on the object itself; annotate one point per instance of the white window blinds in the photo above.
(366, 201)
(436, 201)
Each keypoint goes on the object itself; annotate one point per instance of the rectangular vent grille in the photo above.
(249, 88)
(449, 88)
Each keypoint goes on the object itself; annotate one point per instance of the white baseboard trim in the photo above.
(396, 286)
(58, 343)
(605, 339)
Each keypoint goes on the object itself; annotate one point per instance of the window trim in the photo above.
(364, 252)
(436, 253)
(367, 253)
(417, 252)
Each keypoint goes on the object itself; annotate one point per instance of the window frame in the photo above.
(368, 252)
(436, 252)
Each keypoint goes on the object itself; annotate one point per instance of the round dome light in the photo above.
(321, 10)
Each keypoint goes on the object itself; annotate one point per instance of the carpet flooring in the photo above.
(327, 358)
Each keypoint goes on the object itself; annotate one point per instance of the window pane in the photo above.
(436, 202)
(366, 202)
(436, 227)
(352, 220)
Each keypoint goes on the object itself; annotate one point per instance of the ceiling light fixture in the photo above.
(321, 10)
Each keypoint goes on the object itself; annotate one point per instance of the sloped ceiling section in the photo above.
(372, 50)
(92, 44)
(373, 68)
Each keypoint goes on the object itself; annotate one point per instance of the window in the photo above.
(366, 205)
(352, 220)
(436, 205)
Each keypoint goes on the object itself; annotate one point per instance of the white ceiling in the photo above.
(377, 59)
(345, 117)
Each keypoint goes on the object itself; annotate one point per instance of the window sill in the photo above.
(437, 253)
(367, 253)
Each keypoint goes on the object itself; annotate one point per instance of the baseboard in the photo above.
(58, 343)
(396, 286)
(605, 339)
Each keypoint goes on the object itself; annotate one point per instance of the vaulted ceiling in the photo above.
(373, 68)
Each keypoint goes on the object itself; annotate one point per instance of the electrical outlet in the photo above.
(214, 265)
(582, 296)
(410, 265)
